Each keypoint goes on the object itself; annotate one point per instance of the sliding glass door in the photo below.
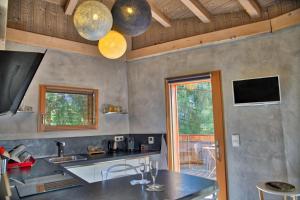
(195, 127)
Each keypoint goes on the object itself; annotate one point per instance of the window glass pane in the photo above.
(195, 109)
(63, 109)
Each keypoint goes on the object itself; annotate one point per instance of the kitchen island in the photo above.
(177, 186)
(44, 168)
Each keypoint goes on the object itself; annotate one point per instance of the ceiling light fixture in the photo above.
(92, 20)
(113, 45)
(131, 17)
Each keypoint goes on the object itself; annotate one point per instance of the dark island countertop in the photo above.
(177, 186)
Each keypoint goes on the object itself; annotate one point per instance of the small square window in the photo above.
(67, 108)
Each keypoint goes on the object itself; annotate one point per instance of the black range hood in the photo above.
(17, 70)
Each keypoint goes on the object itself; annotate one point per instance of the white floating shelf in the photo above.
(116, 113)
(19, 111)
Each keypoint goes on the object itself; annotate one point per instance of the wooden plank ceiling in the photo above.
(224, 14)
(173, 19)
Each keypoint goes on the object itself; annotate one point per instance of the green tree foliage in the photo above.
(195, 110)
(64, 109)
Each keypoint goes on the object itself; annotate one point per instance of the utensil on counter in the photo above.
(93, 150)
(16, 151)
(144, 147)
(130, 144)
(24, 156)
(28, 163)
(20, 158)
(109, 145)
(115, 146)
(112, 146)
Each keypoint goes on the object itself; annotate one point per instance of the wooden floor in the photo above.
(198, 170)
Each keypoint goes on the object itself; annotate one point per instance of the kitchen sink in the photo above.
(65, 159)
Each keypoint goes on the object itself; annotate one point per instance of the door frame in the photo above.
(173, 140)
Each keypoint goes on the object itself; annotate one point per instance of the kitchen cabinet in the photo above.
(85, 172)
(98, 171)
(95, 172)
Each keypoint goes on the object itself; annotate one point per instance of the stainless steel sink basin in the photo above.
(65, 159)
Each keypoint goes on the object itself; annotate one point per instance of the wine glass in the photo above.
(153, 171)
(142, 168)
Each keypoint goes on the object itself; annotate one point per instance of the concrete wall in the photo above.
(269, 134)
(61, 68)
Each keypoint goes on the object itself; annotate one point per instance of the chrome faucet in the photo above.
(60, 148)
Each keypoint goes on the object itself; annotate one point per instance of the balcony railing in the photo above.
(197, 154)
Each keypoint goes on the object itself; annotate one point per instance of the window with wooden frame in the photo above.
(67, 108)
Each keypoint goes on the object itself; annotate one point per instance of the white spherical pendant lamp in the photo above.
(113, 45)
(93, 20)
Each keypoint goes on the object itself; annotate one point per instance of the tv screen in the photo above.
(257, 91)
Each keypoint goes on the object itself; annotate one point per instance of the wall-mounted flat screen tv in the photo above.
(257, 91)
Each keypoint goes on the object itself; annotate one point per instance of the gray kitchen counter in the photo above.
(41, 168)
(110, 157)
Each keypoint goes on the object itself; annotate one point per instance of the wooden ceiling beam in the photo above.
(197, 8)
(158, 15)
(203, 39)
(70, 6)
(251, 7)
(44, 41)
(286, 20)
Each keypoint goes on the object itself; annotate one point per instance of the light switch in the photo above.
(235, 138)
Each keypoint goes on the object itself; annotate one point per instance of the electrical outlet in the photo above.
(116, 139)
(150, 140)
(119, 138)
